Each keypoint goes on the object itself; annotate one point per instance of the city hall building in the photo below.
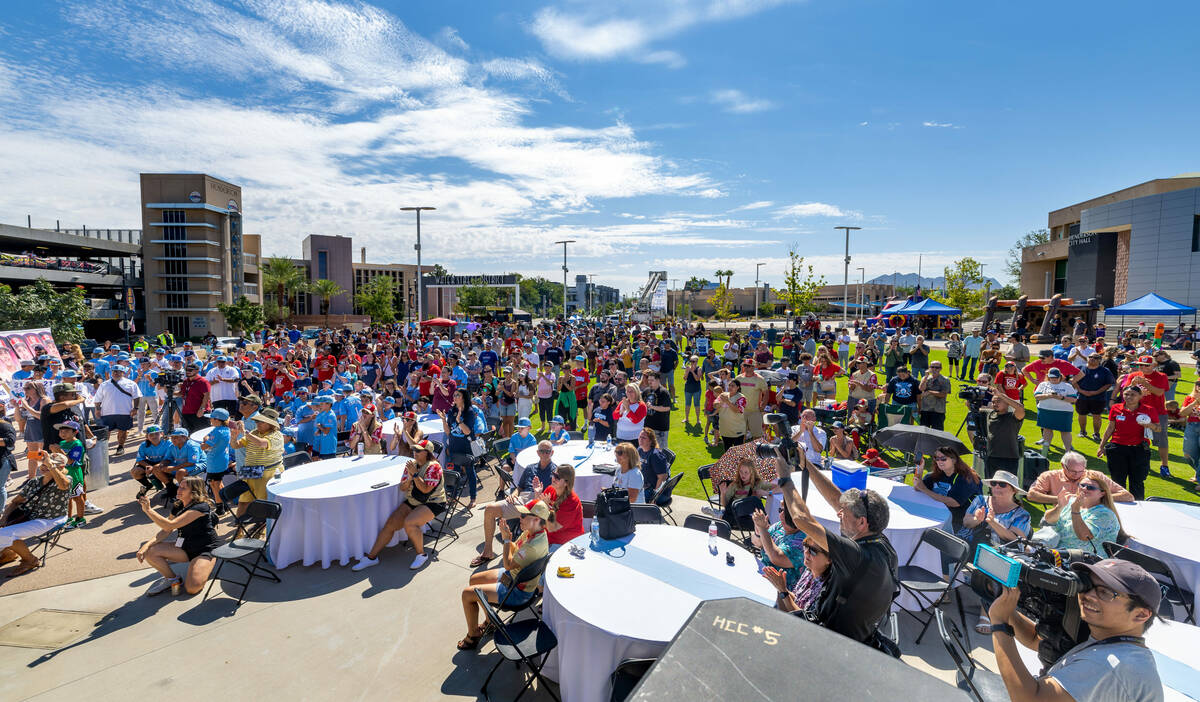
(1120, 246)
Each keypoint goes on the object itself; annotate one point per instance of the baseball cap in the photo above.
(118, 368)
(557, 419)
(67, 425)
(1054, 372)
(871, 453)
(26, 361)
(539, 509)
(175, 357)
(219, 413)
(179, 431)
(153, 429)
(97, 351)
(63, 387)
(1144, 361)
(1123, 577)
(424, 445)
(580, 357)
(524, 422)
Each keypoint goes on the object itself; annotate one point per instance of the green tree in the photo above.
(766, 309)
(377, 299)
(722, 302)
(1012, 266)
(326, 290)
(475, 295)
(801, 284)
(438, 270)
(964, 281)
(283, 278)
(242, 316)
(727, 274)
(40, 305)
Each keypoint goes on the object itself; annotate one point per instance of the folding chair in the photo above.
(438, 447)
(46, 541)
(1173, 593)
(646, 514)
(980, 683)
(522, 642)
(663, 497)
(670, 457)
(589, 509)
(529, 572)
(260, 514)
(298, 458)
(921, 583)
(506, 483)
(500, 448)
(576, 436)
(627, 675)
(897, 474)
(704, 473)
(699, 522)
(743, 510)
(452, 484)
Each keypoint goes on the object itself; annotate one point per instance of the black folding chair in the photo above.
(980, 683)
(500, 448)
(529, 572)
(576, 436)
(589, 509)
(670, 457)
(47, 541)
(704, 473)
(452, 484)
(663, 498)
(646, 514)
(261, 516)
(527, 642)
(1173, 593)
(699, 522)
(921, 583)
(506, 483)
(627, 675)
(298, 458)
(743, 510)
(438, 447)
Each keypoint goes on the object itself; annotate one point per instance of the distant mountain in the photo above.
(910, 280)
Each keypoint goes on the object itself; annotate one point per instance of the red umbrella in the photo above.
(438, 322)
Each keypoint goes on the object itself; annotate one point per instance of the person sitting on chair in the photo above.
(193, 517)
(151, 455)
(566, 510)
(40, 507)
(425, 498)
(803, 597)
(745, 484)
(530, 483)
(498, 584)
(408, 434)
(264, 456)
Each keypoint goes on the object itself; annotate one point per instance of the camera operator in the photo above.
(861, 581)
(1114, 664)
(1001, 422)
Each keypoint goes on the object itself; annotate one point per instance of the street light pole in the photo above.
(564, 245)
(862, 301)
(846, 273)
(418, 249)
(757, 288)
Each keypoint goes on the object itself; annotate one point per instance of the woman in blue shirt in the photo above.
(463, 422)
(216, 448)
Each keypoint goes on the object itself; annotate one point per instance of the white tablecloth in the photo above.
(199, 435)
(910, 514)
(334, 509)
(429, 424)
(588, 483)
(632, 601)
(1169, 532)
(1174, 645)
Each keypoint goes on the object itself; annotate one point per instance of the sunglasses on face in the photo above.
(814, 550)
(1089, 487)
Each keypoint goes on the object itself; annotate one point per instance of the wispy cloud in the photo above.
(761, 204)
(733, 100)
(592, 31)
(524, 69)
(941, 125)
(816, 209)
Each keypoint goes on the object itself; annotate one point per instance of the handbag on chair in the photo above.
(614, 513)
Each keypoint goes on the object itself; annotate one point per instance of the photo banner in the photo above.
(20, 344)
(659, 301)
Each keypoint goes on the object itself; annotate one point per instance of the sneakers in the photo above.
(1096, 438)
(1039, 442)
(419, 561)
(90, 507)
(364, 563)
(75, 523)
(1164, 471)
(162, 586)
(1083, 435)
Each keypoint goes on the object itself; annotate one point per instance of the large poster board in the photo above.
(20, 344)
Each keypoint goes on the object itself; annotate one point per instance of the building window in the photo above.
(323, 264)
(175, 267)
(1060, 276)
(179, 327)
(1195, 233)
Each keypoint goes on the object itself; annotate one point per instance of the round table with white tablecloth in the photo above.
(629, 600)
(588, 483)
(1174, 645)
(199, 435)
(910, 513)
(429, 424)
(333, 509)
(1170, 532)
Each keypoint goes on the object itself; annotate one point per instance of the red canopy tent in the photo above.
(438, 322)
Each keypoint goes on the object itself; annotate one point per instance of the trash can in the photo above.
(97, 476)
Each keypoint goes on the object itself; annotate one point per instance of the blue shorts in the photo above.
(508, 410)
(517, 598)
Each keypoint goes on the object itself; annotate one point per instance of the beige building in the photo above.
(194, 252)
(402, 274)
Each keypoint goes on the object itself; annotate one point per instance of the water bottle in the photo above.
(609, 442)
(595, 533)
(712, 537)
(362, 449)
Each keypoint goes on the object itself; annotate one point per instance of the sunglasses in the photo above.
(1089, 487)
(815, 550)
(999, 483)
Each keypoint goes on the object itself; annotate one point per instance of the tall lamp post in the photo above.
(862, 301)
(846, 273)
(757, 288)
(418, 249)
(564, 245)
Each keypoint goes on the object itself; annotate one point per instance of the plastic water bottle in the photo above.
(596, 533)
(362, 449)
(712, 537)
(609, 443)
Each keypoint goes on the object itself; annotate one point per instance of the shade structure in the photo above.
(438, 322)
(927, 306)
(1151, 304)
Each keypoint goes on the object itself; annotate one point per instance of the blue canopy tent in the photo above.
(927, 306)
(1151, 305)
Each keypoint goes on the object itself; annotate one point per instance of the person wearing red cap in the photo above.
(872, 459)
(1114, 664)
(1153, 384)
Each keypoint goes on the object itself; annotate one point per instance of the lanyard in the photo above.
(1135, 640)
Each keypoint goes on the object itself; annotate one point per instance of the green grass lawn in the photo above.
(688, 443)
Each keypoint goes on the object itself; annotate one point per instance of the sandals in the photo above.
(469, 643)
(481, 560)
(983, 626)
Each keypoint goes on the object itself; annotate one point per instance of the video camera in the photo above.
(169, 378)
(976, 395)
(1048, 590)
(783, 446)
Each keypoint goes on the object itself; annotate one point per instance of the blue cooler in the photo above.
(849, 474)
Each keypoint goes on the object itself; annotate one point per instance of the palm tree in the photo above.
(325, 289)
(726, 274)
(282, 275)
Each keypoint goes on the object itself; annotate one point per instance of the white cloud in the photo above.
(733, 100)
(761, 204)
(941, 125)
(450, 37)
(816, 209)
(524, 69)
(589, 31)
(710, 193)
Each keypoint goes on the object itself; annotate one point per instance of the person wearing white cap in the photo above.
(224, 379)
(996, 518)
(115, 401)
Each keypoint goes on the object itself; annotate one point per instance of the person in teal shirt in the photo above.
(522, 439)
(305, 427)
(326, 428)
(217, 454)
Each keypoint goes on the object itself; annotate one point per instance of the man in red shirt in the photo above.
(1122, 447)
(1153, 384)
(1011, 381)
(581, 380)
(326, 366)
(196, 391)
(1036, 372)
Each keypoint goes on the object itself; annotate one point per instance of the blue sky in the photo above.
(686, 135)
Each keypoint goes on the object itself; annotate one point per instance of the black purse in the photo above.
(614, 513)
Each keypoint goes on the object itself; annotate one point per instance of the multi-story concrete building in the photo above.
(1120, 246)
(403, 275)
(194, 252)
(585, 295)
